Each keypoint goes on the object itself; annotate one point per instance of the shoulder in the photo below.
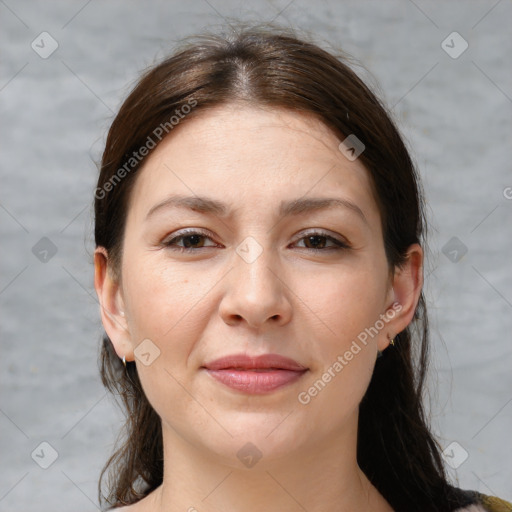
(134, 507)
(145, 504)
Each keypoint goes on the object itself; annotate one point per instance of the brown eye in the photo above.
(188, 241)
(315, 242)
(322, 241)
(192, 241)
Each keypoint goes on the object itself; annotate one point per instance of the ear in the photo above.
(404, 294)
(110, 296)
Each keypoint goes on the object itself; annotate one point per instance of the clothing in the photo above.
(484, 503)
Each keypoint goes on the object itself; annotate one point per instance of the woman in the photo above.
(260, 232)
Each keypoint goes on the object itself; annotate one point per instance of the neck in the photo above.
(321, 478)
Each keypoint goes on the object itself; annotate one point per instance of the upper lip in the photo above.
(246, 362)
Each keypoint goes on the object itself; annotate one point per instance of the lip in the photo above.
(255, 374)
(262, 362)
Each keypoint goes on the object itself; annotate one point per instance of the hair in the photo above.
(271, 67)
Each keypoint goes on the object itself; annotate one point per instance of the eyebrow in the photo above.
(298, 206)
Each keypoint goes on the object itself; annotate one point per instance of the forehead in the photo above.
(250, 156)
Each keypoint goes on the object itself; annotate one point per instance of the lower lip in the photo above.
(256, 382)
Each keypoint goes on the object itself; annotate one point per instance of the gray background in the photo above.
(454, 112)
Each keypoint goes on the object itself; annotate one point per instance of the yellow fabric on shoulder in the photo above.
(494, 504)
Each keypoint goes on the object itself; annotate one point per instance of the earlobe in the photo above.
(111, 302)
(406, 290)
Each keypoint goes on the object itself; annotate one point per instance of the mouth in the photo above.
(255, 375)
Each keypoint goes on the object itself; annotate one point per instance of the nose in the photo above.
(256, 293)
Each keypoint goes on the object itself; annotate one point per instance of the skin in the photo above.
(292, 300)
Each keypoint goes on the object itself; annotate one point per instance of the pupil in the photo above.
(191, 240)
(315, 240)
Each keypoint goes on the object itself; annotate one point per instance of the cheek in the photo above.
(169, 307)
(164, 300)
(344, 303)
(344, 307)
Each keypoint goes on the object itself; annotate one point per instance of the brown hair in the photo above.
(273, 67)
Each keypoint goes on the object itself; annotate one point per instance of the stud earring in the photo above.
(124, 361)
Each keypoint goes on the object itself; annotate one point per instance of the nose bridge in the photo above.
(255, 291)
(256, 274)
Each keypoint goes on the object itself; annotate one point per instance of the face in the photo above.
(249, 232)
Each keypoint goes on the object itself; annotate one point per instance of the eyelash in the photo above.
(340, 245)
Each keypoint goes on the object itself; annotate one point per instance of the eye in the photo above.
(191, 240)
(318, 240)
